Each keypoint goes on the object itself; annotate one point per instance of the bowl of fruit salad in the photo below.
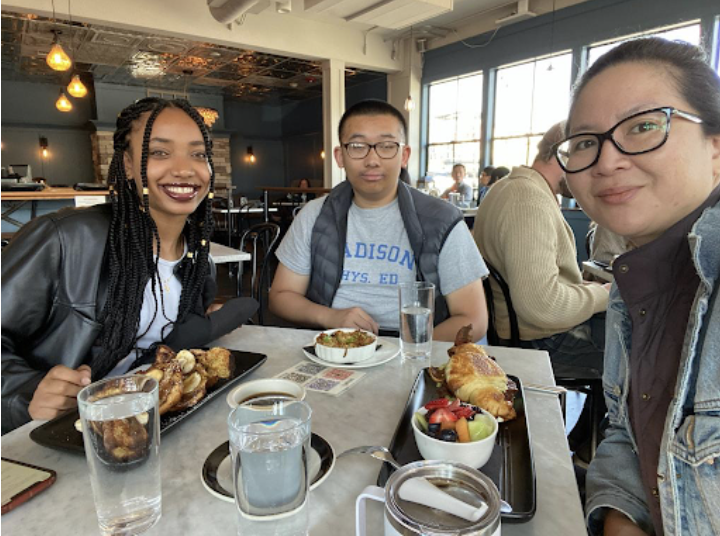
(454, 431)
(345, 345)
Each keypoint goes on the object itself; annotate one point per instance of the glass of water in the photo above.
(121, 432)
(417, 304)
(270, 447)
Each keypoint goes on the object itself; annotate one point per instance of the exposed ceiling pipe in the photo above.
(230, 10)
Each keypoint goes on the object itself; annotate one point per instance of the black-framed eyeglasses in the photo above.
(384, 149)
(640, 133)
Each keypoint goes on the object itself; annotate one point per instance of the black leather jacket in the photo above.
(54, 279)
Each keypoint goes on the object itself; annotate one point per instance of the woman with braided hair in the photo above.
(86, 290)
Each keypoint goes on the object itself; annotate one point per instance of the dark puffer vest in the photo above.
(428, 222)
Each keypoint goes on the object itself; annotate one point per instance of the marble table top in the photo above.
(365, 414)
(222, 254)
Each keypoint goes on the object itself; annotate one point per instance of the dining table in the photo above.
(367, 413)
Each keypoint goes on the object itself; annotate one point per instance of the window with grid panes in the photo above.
(530, 97)
(454, 128)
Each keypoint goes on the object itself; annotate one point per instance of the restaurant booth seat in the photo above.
(583, 381)
(261, 240)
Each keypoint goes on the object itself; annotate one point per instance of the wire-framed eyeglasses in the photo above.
(640, 133)
(384, 149)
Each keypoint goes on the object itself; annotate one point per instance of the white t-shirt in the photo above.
(170, 287)
(378, 257)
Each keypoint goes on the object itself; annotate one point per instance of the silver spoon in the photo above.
(377, 452)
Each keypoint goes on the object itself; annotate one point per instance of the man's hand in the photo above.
(57, 392)
(351, 318)
(617, 524)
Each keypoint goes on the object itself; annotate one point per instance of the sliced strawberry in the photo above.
(464, 411)
(456, 404)
(437, 403)
(442, 415)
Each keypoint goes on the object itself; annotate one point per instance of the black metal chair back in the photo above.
(260, 241)
(492, 335)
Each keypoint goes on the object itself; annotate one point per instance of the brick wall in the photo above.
(221, 160)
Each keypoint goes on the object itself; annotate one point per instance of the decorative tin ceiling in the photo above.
(134, 58)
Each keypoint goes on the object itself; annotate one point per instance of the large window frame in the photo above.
(538, 113)
(453, 139)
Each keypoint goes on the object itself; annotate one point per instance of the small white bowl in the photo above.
(264, 387)
(475, 453)
(345, 355)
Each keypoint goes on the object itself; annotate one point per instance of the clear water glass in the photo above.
(270, 447)
(417, 305)
(121, 432)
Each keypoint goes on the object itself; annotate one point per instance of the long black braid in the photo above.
(133, 233)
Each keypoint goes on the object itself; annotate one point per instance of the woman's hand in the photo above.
(57, 392)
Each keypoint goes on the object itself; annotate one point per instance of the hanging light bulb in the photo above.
(76, 88)
(57, 59)
(63, 103)
(409, 103)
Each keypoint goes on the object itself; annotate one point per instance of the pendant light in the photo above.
(57, 59)
(63, 103)
(409, 102)
(76, 88)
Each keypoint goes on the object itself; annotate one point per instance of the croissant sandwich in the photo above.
(475, 378)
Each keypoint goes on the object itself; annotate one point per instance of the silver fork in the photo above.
(377, 452)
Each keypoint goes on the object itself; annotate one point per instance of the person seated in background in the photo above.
(459, 186)
(484, 182)
(657, 470)
(497, 174)
(521, 232)
(604, 245)
(304, 197)
(86, 290)
(345, 254)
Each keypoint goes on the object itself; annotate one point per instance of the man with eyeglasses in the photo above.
(345, 254)
(520, 230)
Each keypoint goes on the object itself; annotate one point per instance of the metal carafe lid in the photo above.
(461, 481)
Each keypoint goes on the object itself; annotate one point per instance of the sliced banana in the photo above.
(143, 418)
(155, 373)
(187, 361)
(78, 426)
(191, 382)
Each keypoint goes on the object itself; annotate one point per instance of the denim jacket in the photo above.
(688, 480)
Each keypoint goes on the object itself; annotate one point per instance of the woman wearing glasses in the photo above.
(643, 159)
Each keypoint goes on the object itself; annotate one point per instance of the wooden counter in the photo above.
(50, 192)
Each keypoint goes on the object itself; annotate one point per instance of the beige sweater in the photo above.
(521, 231)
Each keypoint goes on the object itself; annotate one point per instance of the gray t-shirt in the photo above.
(378, 257)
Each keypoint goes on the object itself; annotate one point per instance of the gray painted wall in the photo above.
(28, 113)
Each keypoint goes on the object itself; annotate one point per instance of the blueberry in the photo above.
(448, 435)
(433, 429)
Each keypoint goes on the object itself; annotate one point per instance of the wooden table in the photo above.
(366, 414)
(17, 200)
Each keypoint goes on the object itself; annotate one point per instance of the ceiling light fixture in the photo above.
(409, 102)
(57, 59)
(209, 115)
(76, 88)
(63, 103)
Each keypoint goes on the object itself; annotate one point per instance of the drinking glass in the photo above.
(121, 432)
(417, 304)
(270, 447)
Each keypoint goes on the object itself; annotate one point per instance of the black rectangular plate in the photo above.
(510, 467)
(60, 433)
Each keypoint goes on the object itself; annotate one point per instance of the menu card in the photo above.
(322, 379)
